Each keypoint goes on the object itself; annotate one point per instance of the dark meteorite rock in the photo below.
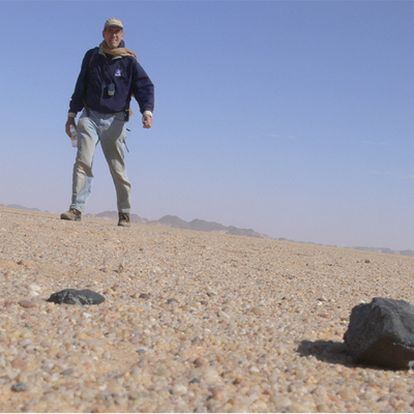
(76, 297)
(381, 333)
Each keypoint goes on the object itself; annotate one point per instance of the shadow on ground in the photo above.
(326, 351)
(334, 353)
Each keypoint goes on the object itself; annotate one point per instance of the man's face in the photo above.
(113, 36)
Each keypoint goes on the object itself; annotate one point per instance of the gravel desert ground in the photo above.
(192, 321)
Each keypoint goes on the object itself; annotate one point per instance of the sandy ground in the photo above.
(192, 321)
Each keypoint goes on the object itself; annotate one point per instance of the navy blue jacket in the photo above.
(98, 71)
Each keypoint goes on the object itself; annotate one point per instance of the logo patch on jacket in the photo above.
(118, 73)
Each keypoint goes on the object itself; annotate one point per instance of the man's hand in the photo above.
(69, 122)
(146, 121)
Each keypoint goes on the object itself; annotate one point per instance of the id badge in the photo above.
(111, 89)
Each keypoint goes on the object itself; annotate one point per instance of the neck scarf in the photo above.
(119, 51)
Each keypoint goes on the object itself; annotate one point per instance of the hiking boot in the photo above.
(124, 220)
(72, 214)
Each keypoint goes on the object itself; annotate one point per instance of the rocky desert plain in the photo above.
(192, 321)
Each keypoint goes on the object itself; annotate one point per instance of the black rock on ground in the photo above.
(381, 333)
(76, 297)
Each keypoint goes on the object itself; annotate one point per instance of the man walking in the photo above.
(110, 75)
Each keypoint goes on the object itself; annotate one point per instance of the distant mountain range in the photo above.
(202, 225)
(385, 250)
(19, 207)
(211, 226)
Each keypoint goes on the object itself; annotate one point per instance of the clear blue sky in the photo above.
(294, 118)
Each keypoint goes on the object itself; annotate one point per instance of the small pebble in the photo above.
(144, 296)
(19, 387)
(25, 303)
(34, 287)
(19, 363)
(179, 389)
(200, 362)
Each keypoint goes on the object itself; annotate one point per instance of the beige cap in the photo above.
(113, 22)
